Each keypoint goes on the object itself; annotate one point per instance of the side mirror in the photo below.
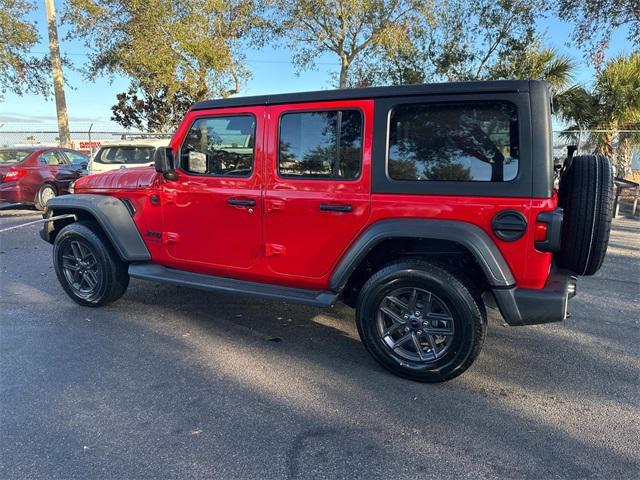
(165, 162)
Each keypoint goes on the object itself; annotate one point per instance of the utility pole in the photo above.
(58, 78)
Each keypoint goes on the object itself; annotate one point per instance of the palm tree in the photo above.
(611, 111)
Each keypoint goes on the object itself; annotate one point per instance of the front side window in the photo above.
(76, 158)
(220, 146)
(50, 158)
(323, 144)
(464, 142)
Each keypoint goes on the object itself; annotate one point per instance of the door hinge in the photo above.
(274, 250)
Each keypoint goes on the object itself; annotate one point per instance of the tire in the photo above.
(586, 197)
(82, 257)
(46, 192)
(455, 309)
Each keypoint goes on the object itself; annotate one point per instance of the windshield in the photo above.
(125, 155)
(13, 156)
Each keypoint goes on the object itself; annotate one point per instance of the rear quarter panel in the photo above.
(529, 266)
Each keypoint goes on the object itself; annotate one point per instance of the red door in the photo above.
(317, 191)
(212, 213)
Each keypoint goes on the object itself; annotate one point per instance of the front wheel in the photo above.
(421, 321)
(87, 267)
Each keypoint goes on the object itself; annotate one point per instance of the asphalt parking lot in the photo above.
(176, 383)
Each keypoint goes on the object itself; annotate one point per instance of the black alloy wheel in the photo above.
(81, 268)
(87, 266)
(422, 321)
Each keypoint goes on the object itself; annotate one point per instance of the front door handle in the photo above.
(327, 207)
(241, 202)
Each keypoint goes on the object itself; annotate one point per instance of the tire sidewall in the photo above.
(466, 318)
(85, 235)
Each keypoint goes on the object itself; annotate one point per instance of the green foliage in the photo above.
(613, 105)
(596, 20)
(481, 40)
(20, 72)
(149, 110)
(350, 29)
(171, 49)
(531, 63)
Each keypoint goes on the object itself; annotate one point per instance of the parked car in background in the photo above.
(34, 175)
(126, 154)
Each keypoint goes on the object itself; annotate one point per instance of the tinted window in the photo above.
(13, 156)
(454, 142)
(125, 155)
(220, 146)
(51, 158)
(321, 144)
(76, 158)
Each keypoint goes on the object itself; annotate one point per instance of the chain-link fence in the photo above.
(86, 141)
(89, 141)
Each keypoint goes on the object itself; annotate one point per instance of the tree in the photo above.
(481, 40)
(347, 28)
(150, 111)
(58, 77)
(596, 20)
(171, 49)
(611, 111)
(536, 64)
(21, 72)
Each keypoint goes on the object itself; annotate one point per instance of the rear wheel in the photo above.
(87, 267)
(421, 321)
(46, 193)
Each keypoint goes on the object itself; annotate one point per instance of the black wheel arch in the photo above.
(109, 213)
(465, 237)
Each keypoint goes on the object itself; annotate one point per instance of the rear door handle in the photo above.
(326, 207)
(241, 202)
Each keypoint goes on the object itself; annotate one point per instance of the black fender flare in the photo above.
(113, 217)
(473, 238)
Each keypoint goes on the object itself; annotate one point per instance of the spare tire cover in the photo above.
(586, 197)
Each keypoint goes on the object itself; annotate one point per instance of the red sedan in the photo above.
(33, 175)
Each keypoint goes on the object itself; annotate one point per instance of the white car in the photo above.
(125, 154)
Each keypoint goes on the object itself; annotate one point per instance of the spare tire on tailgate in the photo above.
(586, 196)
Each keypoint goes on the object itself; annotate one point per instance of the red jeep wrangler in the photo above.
(417, 205)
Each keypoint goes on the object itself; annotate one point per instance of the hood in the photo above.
(125, 178)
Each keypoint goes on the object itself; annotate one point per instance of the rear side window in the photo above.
(220, 146)
(464, 142)
(125, 155)
(13, 156)
(322, 144)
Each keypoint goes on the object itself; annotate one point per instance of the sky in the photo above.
(90, 101)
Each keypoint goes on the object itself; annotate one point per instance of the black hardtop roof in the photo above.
(495, 86)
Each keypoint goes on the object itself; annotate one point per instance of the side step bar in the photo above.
(161, 274)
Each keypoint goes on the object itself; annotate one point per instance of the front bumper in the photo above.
(523, 306)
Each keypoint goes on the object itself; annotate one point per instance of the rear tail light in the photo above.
(548, 231)
(540, 234)
(13, 174)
